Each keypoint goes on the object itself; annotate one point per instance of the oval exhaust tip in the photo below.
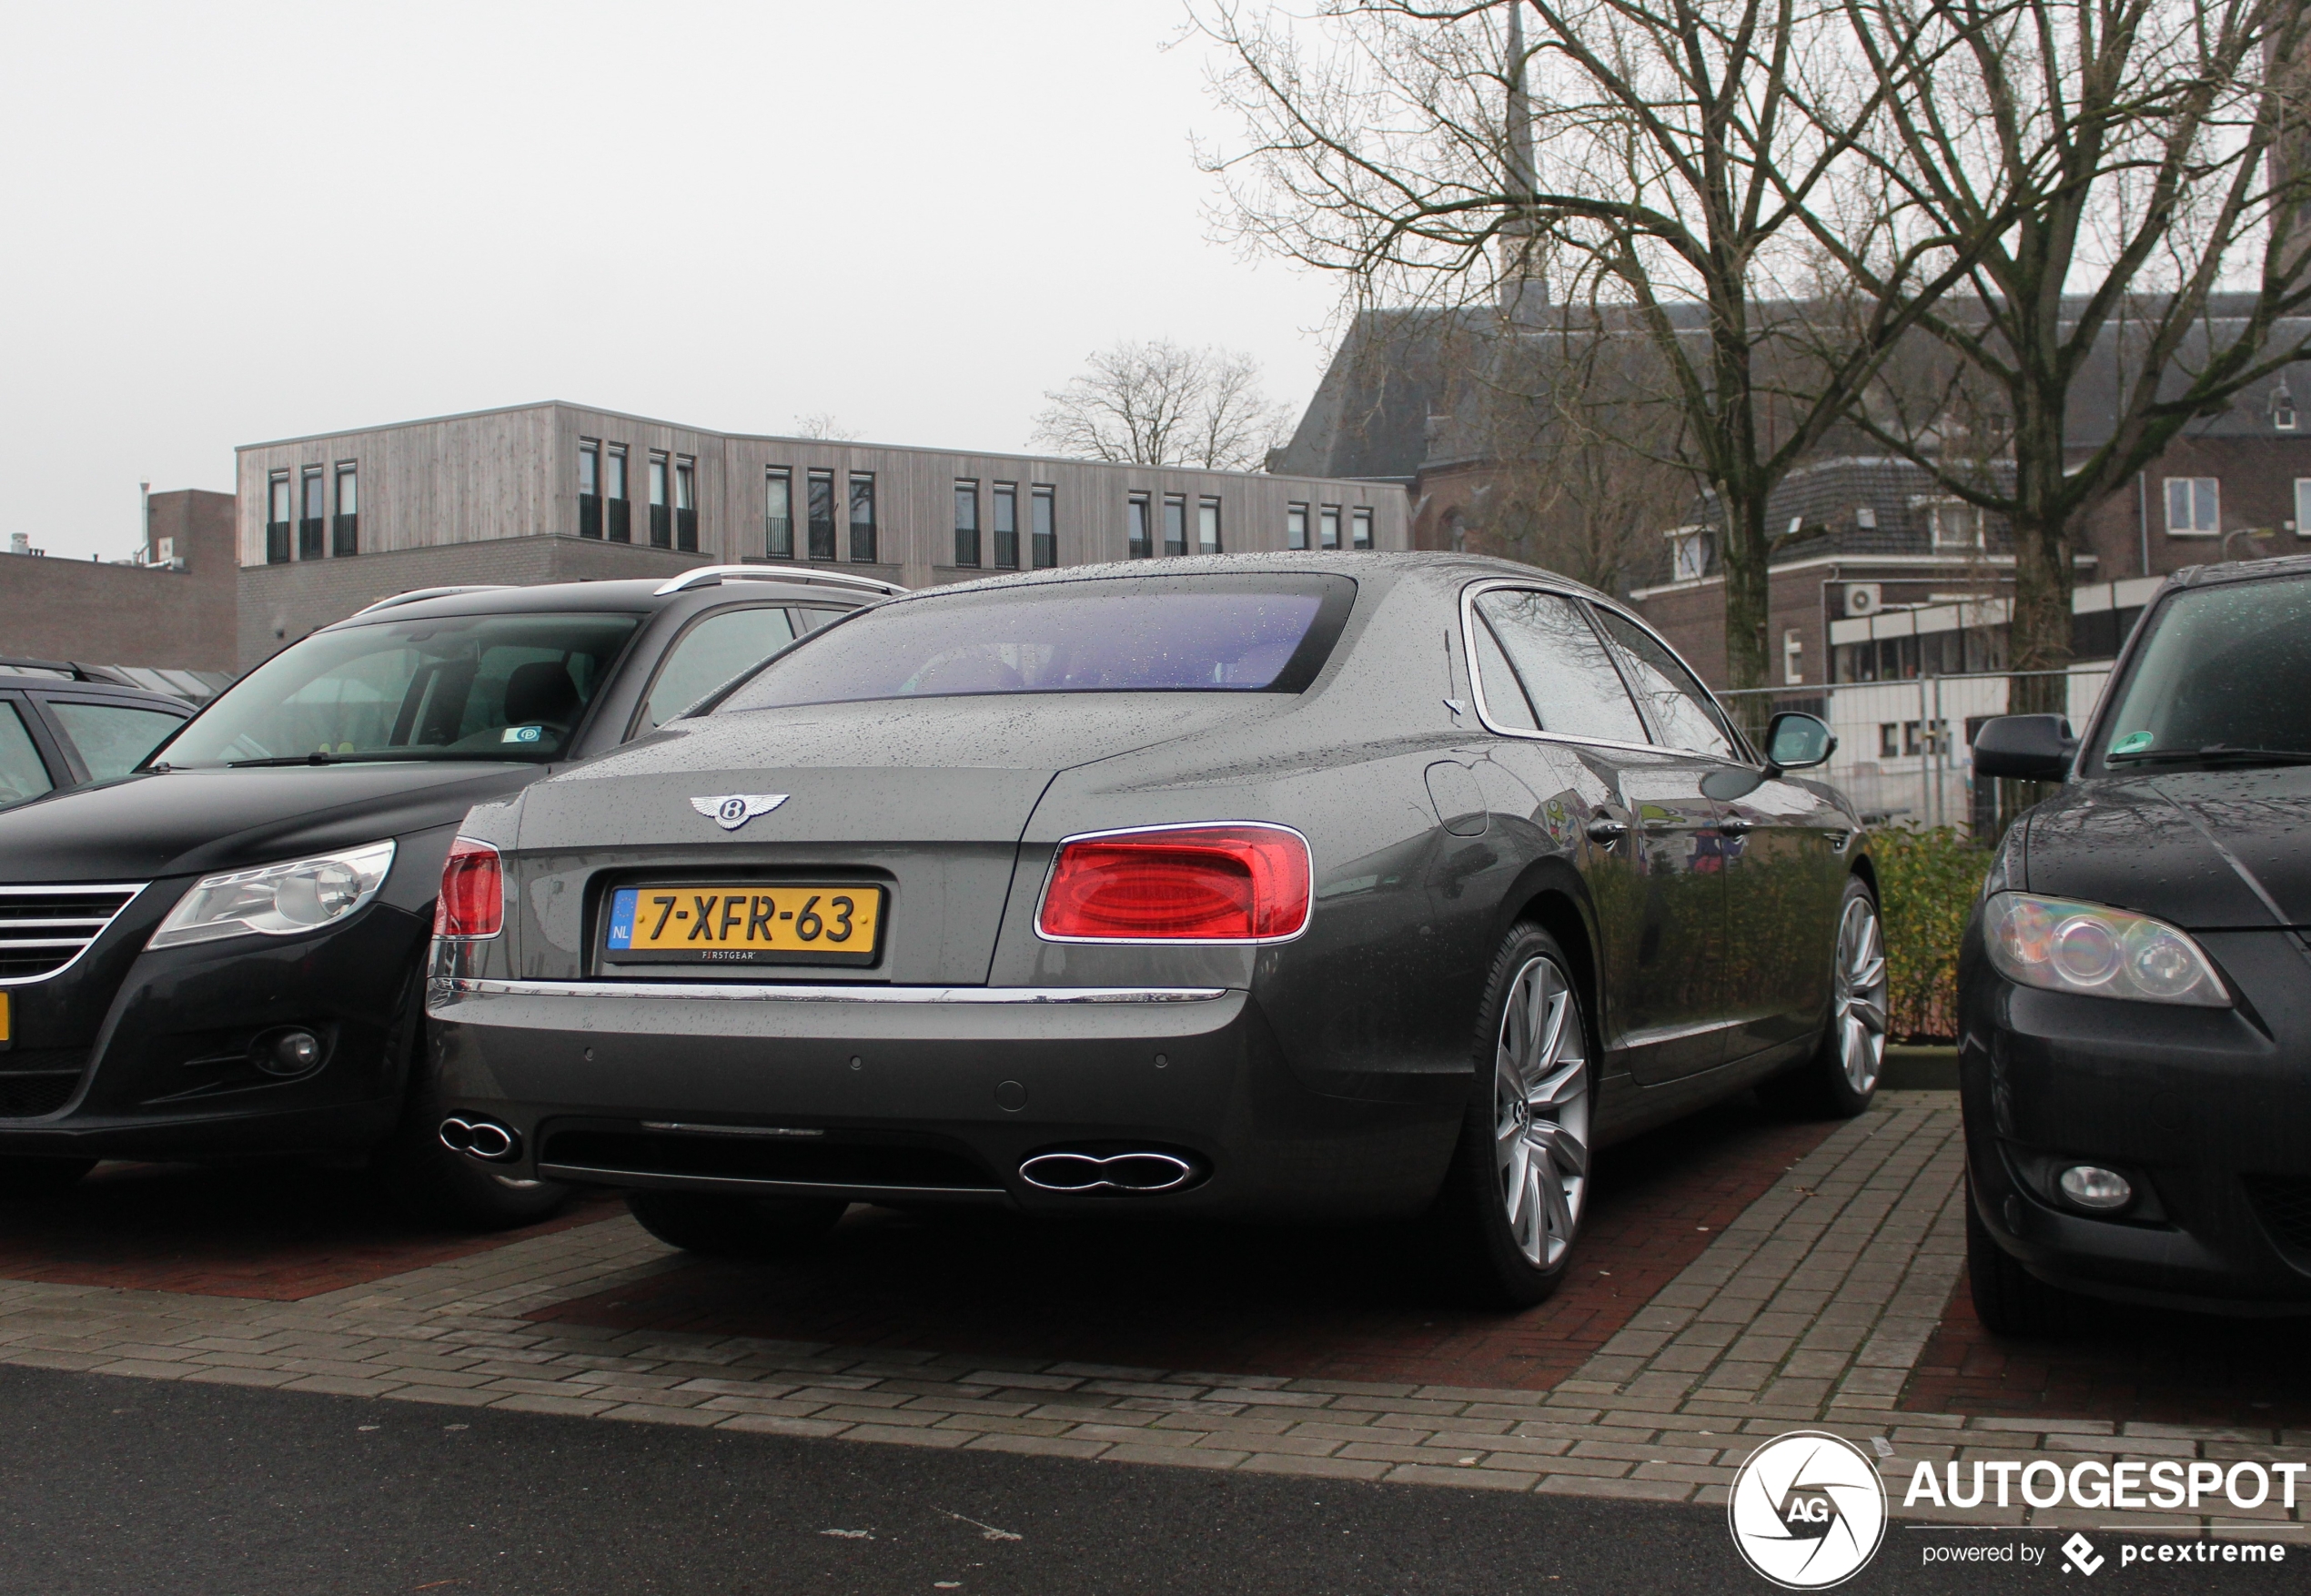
(480, 1138)
(1136, 1172)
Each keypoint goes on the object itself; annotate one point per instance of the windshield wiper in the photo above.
(2214, 751)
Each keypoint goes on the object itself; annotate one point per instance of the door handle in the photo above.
(1733, 825)
(1655, 828)
(1607, 831)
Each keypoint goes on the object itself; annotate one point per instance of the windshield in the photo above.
(495, 687)
(2205, 688)
(1221, 633)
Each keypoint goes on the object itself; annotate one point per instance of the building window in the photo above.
(1793, 657)
(966, 523)
(1046, 533)
(1207, 526)
(1457, 532)
(310, 524)
(862, 516)
(662, 510)
(2303, 507)
(2194, 507)
(1688, 554)
(1865, 517)
(1006, 526)
(1175, 524)
(1953, 525)
(1327, 526)
(1296, 526)
(278, 509)
(588, 487)
(345, 528)
(1142, 540)
(685, 504)
(618, 510)
(2282, 409)
(1360, 528)
(778, 514)
(822, 488)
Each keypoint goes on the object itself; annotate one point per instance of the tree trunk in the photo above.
(2038, 636)
(1747, 595)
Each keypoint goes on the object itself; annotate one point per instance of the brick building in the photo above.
(170, 608)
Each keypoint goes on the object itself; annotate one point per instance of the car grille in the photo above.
(2283, 1202)
(45, 928)
(35, 1081)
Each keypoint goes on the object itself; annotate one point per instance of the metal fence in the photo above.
(1905, 749)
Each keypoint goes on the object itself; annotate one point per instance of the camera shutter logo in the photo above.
(1808, 1511)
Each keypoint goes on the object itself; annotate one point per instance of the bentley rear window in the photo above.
(1219, 633)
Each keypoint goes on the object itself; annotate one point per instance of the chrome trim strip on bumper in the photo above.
(860, 1191)
(753, 991)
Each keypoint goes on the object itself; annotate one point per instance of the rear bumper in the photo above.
(923, 1093)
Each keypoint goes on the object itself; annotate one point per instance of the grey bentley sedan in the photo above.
(1316, 886)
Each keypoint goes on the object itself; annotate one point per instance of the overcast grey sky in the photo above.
(231, 222)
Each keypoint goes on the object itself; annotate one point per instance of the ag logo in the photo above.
(1807, 1510)
(734, 811)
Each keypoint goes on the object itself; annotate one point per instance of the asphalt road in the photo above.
(116, 1485)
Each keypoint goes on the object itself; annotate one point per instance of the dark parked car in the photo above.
(220, 954)
(62, 726)
(2135, 1033)
(1325, 887)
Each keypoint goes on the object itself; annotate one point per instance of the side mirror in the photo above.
(2025, 748)
(1795, 741)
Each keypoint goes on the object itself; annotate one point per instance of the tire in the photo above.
(428, 1182)
(753, 1229)
(1518, 1189)
(22, 1178)
(1840, 1076)
(2008, 1298)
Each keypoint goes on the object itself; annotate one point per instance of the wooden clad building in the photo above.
(555, 492)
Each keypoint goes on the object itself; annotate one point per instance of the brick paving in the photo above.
(274, 1232)
(1340, 1304)
(1811, 1307)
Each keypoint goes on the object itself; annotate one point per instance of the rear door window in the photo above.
(112, 739)
(711, 651)
(1568, 676)
(21, 775)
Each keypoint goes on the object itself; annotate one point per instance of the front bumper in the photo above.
(162, 1043)
(924, 1095)
(2207, 1111)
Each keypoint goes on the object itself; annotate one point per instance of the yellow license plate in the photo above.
(5, 1036)
(780, 924)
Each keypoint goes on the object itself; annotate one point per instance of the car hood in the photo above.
(2206, 850)
(929, 770)
(179, 822)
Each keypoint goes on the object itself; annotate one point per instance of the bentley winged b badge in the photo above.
(736, 809)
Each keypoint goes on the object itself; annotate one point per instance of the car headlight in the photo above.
(2097, 951)
(276, 900)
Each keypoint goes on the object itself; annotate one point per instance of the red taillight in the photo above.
(1193, 883)
(472, 906)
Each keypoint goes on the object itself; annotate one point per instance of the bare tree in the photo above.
(1162, 404)
(2141, 153)
(824, 426)
(1675, 150)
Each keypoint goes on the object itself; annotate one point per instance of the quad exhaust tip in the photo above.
(1138, 1172)
(480, 1139)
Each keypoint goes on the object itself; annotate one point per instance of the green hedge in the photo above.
(1927, 880)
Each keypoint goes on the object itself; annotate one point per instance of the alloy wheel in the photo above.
(1540, 1112)
(1859, 983)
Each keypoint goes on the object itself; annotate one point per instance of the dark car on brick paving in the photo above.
(220, 954)
(2135, 1039)
(1326, 887)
